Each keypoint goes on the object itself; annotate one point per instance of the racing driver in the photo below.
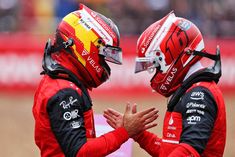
(73, 64)
(195, 120)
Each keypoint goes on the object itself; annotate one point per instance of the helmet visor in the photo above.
(145, 63)
(111, 53)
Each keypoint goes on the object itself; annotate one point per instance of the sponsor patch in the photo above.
(195, 105)
(67, 105)
(71, 115)
(184, 25)
(171, 121)
(76, 124)
(197, 96)
(193, 119)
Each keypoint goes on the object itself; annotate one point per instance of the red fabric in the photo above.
(89, 124)
(169, 146)
(149, 142)
(44, 137)
(172, 129)
(216, 144)
(184, 150)
(104, 145)
(152, 144)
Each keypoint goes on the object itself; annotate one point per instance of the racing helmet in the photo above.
(92, 39)
(164, 47)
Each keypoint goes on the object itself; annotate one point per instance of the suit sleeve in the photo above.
(184, 150)
(150, 142)
(105, 144)
(199, 111)
(66, 119)
(67, 123)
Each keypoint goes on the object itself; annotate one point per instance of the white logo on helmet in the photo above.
(97, 25)
(94, 64)
(184, 25)
(103, 24)
(151, 36)
(169, 79)
(84, 52)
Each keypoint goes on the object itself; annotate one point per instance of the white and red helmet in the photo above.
(163, 47)
(95, 40)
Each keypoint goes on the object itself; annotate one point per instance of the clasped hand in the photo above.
(134, 122)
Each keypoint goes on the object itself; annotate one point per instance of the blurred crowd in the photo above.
(215, 18)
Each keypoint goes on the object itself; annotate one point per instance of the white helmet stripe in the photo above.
(161, 34)
(199, 47)
(97, 27)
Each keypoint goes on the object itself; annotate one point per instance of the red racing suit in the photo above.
(64, 124)
(194, 126)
